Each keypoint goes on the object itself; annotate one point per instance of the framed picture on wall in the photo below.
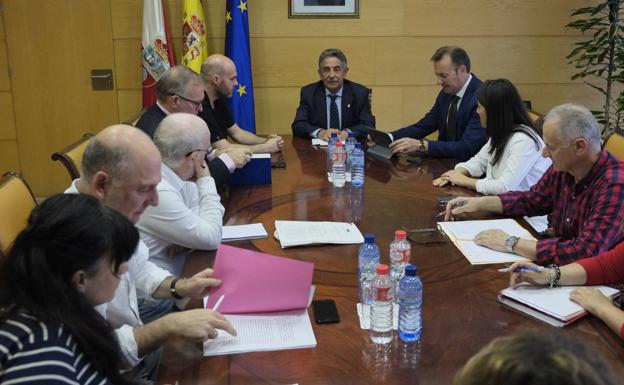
(323, 8)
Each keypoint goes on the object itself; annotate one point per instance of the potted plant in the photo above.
(600, 59)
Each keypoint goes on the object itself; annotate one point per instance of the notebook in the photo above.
(550, 305)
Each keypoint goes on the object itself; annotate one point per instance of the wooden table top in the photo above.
(460, 309)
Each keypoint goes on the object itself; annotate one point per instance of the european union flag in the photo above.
(237, 49)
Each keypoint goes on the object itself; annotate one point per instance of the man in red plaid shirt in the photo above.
(582, 192)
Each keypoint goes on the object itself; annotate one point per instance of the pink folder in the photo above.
(255, 282)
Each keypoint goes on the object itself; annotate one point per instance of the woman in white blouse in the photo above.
(512, 157)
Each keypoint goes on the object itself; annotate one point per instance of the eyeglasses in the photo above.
(208, 151)
(195, 103)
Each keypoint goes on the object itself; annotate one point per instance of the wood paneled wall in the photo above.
(388, 49)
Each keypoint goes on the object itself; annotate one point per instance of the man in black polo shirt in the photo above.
(219, 76)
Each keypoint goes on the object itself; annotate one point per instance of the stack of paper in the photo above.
(299, 233)
(240, 232)
(462, 233)
(277, 290)
(551, 305)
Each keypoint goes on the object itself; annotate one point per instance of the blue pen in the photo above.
(522, 268)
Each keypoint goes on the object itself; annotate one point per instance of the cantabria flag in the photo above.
(194, 46)
(157, 53)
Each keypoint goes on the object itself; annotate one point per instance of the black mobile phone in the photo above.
(278, 164)
(325, 311)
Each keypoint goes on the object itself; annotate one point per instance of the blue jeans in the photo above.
(152, 309)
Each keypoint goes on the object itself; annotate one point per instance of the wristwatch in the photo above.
(421, 147)
(510, 243)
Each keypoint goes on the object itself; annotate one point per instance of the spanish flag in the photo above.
(194, 46)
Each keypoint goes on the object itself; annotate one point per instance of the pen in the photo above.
(216, 306)
(460, 204)
(521, 268)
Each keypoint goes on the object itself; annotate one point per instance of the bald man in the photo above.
(189, 214)
(219, 76)
(121, 168)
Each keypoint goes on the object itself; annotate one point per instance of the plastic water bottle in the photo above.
(368, 259)
(331, 145)
(338, 166)
(349, 146)
(410, 305)
(357, 166)
(400, 253)
(381, 306)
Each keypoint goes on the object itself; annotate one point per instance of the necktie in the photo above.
(334, 120)
(451, 122)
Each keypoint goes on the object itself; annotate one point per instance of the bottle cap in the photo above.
(351, 134)
(411, 270)
(369, 238)
(358, 145)
(400, 235)
(338, 144)
(382, 269)
(334, 134)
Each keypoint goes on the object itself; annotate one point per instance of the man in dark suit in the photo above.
(182, 90)
(333, 104)
(454, 114)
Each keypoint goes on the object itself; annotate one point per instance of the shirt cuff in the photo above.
(315, 133)
(229, 163)
(128, 345)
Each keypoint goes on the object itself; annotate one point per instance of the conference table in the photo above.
(460, 309)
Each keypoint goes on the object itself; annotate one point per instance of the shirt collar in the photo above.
(462, 91)
(339, 93)
(163, 109)
(170, 176)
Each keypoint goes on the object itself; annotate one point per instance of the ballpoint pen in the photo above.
(460, 204)
(216, 306)
(522, 268)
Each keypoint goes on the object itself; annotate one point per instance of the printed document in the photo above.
(264, 332)
(240, 232)
(298, 233)
(462, 233)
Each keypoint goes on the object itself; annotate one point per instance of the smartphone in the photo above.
(325, 311)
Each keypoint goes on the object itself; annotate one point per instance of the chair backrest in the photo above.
(615, 144)
(71, 156)
(16, 203)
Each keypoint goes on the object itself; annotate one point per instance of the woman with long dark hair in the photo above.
(512, 157)
(67, 260)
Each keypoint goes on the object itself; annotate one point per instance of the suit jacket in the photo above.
(312, 111)
(470, 134)
(150, 120)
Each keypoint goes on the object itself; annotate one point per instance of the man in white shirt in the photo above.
(121, 168)
(189, 214)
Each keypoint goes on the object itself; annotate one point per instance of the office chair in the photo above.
(615, 144)
(71, 156)
(16, 203)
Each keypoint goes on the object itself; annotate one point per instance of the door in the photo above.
(52, 46)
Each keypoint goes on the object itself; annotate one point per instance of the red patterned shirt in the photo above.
(585, 216)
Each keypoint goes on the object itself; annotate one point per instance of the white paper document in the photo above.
(264, 332)
(462, 233)
(554, 302)
(321, 142)
(239, 232)
(540, 224)
(298, 233)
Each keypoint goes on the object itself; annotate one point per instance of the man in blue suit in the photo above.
(333, 104)
(454, 114)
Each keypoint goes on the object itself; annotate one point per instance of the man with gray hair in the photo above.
(189, 214)
(582, 192)
(333, 104)
(182, 90)
(121, 168)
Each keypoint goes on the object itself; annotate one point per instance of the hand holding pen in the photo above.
(458, 206)
(527, 272)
